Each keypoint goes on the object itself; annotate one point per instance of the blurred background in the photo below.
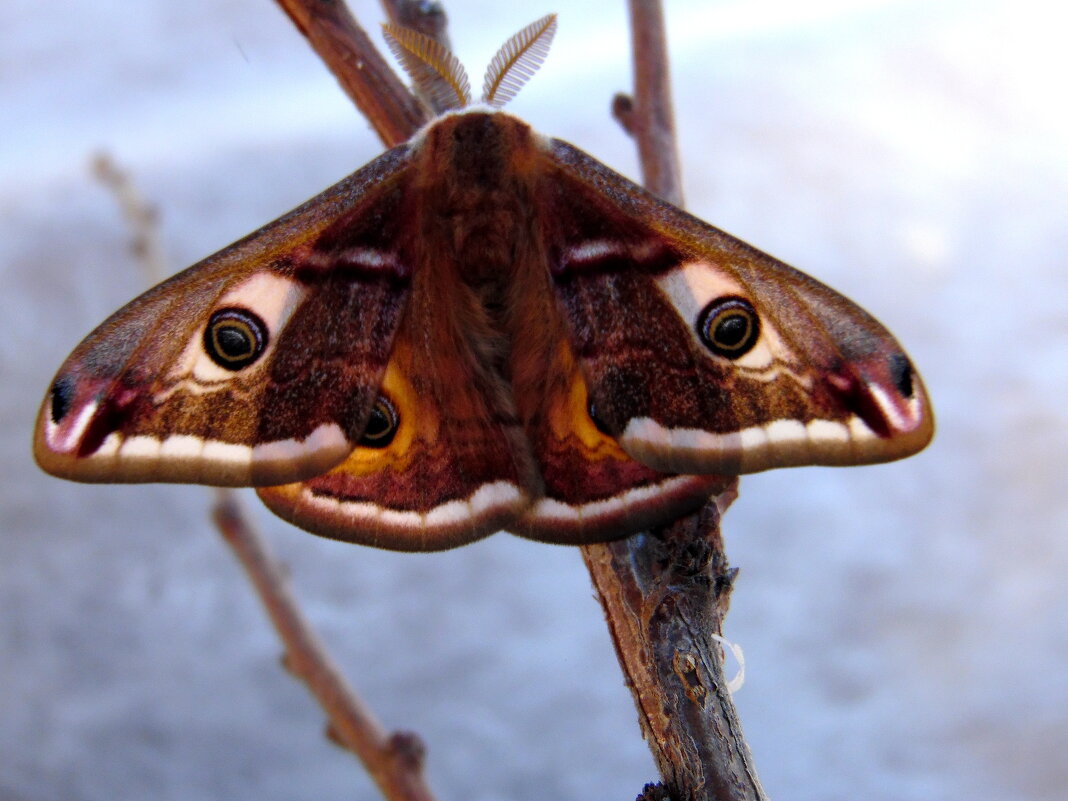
(904, 625)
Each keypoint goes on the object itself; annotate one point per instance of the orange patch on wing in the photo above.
(421, 491)
(593, 490)
(569, 415)
(417, 428)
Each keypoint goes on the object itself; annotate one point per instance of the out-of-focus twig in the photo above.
(395, 761)
(140, 215)
(648, 116)
(361, 70)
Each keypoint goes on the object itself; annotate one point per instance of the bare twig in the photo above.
(361, 70)
(394, 761)
(665, 595)
(140, 215)
(649, 116)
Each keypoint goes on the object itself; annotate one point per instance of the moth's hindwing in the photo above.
(592, 489)
(451, 464)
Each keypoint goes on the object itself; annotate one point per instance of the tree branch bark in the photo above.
(363, 73)
(652, 119)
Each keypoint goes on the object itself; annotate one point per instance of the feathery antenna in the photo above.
(518, 60)
(438, 75)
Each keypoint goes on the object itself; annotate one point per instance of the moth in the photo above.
(482, 329)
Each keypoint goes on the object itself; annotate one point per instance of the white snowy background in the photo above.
(906, 626)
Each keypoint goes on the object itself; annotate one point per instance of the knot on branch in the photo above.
(654, 792)
(623, 112)
(408, 749)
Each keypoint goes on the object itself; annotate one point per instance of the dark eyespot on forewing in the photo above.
(901, 374)
(381, 425)
(63, 392)
(729, 327)
(235, 338)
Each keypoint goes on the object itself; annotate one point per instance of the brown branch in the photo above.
(650, 119)
(667, 592)
(395, 761)
(361, 70)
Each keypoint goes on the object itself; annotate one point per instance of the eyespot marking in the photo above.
(901, 374)
(235, 338)
(62, 397)
(381, 425)
(598, 423)
(729, 327)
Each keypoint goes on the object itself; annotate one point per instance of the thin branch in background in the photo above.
(651, 118)
(141, 216)
(393, 760)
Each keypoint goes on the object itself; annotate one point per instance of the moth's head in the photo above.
(440, 80)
